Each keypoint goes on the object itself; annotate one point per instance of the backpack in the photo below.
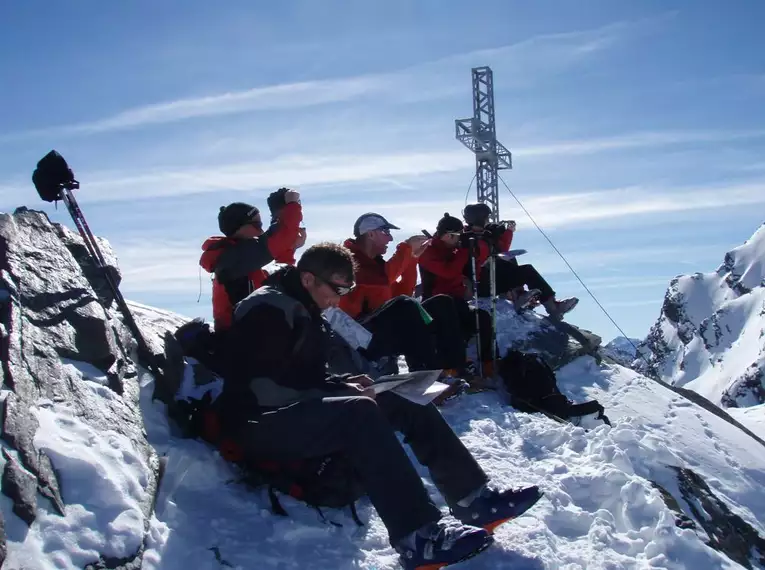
(327, 481)
(532, 387)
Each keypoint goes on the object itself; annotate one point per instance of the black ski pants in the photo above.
(365, 429)
(511, 275)
(467, 317)
(447, 331)
(398, 327)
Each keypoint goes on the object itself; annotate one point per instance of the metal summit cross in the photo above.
(479, 134)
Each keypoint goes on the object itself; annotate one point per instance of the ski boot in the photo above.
(440, 544)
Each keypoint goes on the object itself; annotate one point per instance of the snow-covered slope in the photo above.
(669, 485)
(710, 336)
(603, 507)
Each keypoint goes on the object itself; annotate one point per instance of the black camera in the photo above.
(52, 176)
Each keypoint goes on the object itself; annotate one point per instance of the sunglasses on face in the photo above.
(338, 288)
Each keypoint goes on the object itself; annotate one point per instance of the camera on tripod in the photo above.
(52, 176)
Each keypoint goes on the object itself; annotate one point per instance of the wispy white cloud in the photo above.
(649, 139)
(530, 59)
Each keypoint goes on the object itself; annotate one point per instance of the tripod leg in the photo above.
(493, 277)
(473, 254)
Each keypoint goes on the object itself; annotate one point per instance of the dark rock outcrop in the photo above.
(64, 347)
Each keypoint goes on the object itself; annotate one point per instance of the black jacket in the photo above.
(278, 349)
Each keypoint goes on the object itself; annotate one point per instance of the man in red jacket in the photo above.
(382, 300)
(442, 267)
(237, 258)
(509, 275)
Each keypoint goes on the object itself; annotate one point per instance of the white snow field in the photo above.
(600, 512)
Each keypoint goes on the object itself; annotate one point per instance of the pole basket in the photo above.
(52, 176)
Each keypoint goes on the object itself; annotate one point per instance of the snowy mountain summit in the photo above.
(710, 336)
(95, 476)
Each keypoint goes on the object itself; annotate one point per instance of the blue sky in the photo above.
(637, 127)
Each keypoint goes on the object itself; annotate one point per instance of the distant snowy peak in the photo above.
(710, 336)
(622, 349)
(744, 267)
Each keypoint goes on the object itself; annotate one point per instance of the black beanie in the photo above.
(449, 224)
(234, 216)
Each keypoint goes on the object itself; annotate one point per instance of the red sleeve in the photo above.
(408, 282)
(401, 260)
(431, 261)
(505, 240)
(281, 240)
(287, 256)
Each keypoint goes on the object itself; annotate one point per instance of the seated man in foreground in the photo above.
(282, 405)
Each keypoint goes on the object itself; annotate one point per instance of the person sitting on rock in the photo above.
(281, 405)
(512, 279)
(441, 270)
(237, 258)
(381, 300)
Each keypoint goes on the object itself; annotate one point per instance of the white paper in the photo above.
(420, 387)
(353, 333)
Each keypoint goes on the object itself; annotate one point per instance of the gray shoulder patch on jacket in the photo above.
(271, 296)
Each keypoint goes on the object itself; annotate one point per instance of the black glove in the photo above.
(276, 200)
(493, 232)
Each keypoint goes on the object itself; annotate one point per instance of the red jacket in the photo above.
(483, 248)
(445, 267)
(377, 280)
(237, 264)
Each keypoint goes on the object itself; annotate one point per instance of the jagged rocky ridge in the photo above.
(710, 335)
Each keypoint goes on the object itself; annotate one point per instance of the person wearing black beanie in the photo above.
(445, 291)
(237, 258)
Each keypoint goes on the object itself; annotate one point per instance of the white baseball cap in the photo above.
(369, 222)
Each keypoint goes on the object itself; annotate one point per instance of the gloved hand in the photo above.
(494, 231)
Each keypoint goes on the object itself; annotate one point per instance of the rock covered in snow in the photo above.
(622, 350)
(710, 336)
(74, 439)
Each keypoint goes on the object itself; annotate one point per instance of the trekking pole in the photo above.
(474, 259)
(54, 181)
(493, 284)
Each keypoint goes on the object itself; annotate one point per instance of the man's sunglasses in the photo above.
(340, 290)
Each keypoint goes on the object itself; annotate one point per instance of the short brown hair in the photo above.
(326, 259)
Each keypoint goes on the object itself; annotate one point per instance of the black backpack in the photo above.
(532, 387)
(327, 481)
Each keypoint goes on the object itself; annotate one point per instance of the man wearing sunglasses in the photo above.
(381, 300)
(280, 404)
(444, 290)
(237, 258)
